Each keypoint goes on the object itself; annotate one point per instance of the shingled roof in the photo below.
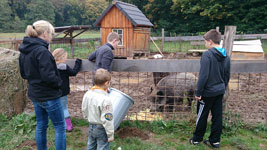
(132, 12)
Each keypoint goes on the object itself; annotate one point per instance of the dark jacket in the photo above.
(103, 57)
(38, 66)
(214, 73)
(65, 71)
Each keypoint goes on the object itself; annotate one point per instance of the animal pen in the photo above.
(247, 88)
(247, 93)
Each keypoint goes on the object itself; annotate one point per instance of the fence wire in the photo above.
(172, 96)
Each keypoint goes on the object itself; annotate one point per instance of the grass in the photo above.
(163, 134)
(82, 50)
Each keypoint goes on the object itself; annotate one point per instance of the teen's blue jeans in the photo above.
(97, 138)
(53, 110)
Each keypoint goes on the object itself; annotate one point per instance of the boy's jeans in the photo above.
(97, 138)
(53, 110)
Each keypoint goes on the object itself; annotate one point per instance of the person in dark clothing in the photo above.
(213, 80)
(65, 72)
(38, 67)
(103, 56)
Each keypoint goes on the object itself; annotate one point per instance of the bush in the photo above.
(231, 123)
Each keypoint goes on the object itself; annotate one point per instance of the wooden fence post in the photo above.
(218, 29)
(228, 40)
(71, 44)
(162, 39)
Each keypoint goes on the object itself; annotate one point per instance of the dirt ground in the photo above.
(132, 132)
(248, 93)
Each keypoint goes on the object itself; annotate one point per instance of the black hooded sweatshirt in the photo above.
(38, 66)
(214, 74)
(65, 72)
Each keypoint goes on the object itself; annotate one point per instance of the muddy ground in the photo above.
(248, 93)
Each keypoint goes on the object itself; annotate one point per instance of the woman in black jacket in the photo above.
(38, 67)
(65, 71)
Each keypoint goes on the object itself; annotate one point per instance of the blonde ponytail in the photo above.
(38, 28)
(31, 32)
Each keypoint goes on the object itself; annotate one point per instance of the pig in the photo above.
(173, 90)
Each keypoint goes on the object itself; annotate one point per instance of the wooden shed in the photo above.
(247, 50)
(130, 23)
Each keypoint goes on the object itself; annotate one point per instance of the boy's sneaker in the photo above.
(213, 145)
(191, 141)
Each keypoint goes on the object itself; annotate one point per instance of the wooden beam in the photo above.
(80, 33)
(157, 47)
(60, 33)
(123, 65)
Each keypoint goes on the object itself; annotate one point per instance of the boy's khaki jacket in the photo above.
(97, 109)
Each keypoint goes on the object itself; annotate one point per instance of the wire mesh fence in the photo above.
(173, 96)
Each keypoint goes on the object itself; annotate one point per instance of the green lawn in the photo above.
(82, 50)
(173, 135)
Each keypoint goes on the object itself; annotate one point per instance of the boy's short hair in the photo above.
(101, 76)
(213, 35)
(113, 36)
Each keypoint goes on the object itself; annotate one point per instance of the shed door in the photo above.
(141, 39)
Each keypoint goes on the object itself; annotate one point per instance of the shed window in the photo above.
(120, 32)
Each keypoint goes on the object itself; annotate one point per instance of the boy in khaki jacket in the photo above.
(98, 110)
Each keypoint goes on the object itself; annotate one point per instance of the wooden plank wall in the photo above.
(141, 39)
(116, 19)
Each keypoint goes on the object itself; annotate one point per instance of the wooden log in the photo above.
(229, 35)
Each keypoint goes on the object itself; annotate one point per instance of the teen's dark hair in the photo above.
(213, 35)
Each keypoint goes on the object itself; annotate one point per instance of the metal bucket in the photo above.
(121, 103)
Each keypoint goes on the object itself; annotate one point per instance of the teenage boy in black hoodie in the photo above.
(213, 79)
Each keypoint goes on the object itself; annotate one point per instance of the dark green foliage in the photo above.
(40, 10)
(175, 16)
(9, 21)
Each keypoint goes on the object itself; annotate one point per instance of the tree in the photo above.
(40, 10)
(59, 6)
(9, 21)
(159, 13)
(93, 9)
(246, 15)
